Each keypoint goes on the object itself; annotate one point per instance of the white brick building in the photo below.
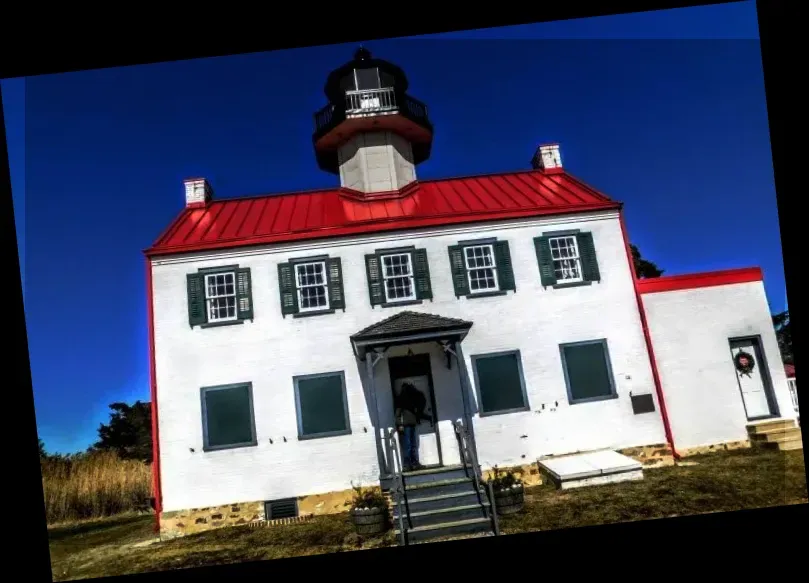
(279, 324)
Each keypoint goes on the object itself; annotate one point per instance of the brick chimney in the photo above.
(198, 192)
(547, 158)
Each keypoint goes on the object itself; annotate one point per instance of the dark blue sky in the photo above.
(677, 129)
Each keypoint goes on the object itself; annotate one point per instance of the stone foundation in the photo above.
(528, 473)
(743, 444)
(651, 456)
(194, 520)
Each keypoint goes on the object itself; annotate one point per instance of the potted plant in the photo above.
(369, 511)
(509, 491)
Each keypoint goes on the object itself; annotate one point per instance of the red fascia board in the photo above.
(376, 227)
(698, 280)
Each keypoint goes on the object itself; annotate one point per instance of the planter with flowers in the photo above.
(509, 491)
(369, 511)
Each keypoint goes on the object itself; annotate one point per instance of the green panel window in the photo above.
(219, 296)
(500, 383)
(587, 371)
(321, 405)
(227, 416)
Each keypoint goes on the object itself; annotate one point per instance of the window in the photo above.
(284, 508)
(398, 276)
(481, 268)
(219, 296)
(566, 261)
(322, 405)
(311, 286)
(567, 258)
(500, 383)
(227, 417)
(588, 373)
(313, 292)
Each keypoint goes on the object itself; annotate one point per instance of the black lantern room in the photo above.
(369, 95)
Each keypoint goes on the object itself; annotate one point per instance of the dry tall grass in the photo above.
(94, 485)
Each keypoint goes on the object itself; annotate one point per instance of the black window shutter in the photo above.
(547, 274)
(196, 299)
(337, 299)
(286, 285)
(587, 252)
(505, 271)
(244, 294)
(373, 267)
(458, 266)
(421, 272)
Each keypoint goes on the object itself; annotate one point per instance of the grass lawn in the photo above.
(711, 483)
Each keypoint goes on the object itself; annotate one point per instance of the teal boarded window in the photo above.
(227, 416)
(322, 406)
(587, 371)
(500, 383)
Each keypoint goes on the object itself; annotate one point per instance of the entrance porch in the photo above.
(425, 351)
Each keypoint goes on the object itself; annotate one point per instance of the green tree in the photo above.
(783, 333)
(42, 453)
(644, 268)
(129, 431)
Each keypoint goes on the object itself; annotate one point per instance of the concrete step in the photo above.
(444, 529)
(777, 435)
(426, 500)
(442, 515)
(770, 425)
(438, 474)
(437, 488)
(786, 445)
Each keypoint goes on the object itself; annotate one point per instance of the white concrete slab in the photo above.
(610, 462)
(592, 468)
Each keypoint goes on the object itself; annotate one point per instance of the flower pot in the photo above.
(509, 500)
(369, 521)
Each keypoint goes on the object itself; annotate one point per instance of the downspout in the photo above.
(648, 338)
(153, 391)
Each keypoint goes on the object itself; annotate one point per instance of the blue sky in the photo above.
(674, 127)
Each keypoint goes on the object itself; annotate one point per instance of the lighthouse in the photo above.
(372, 133)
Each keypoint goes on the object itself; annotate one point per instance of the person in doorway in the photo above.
(409, 413)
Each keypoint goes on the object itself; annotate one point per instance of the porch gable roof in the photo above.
(407, 324)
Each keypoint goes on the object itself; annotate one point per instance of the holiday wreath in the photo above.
(744, 362)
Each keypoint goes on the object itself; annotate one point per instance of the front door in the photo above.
(416, 371)
(753, 377)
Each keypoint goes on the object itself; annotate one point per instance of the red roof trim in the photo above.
(698, 280)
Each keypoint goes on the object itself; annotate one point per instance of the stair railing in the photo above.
(399, 488)
(469, 457)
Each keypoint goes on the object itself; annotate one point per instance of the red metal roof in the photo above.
(789, 369)
(696, 280)
(300, 216)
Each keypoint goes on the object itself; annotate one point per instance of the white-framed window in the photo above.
(566, 259)
(480, 268)
(220, 296)
(397, 276)
(312, 286)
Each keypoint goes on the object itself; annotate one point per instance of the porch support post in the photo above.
(465, 389)
(375, 420)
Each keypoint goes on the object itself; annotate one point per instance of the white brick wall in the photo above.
(690, 332)
(271, 350)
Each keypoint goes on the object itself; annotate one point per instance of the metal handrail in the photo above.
(401, 491)
(470, 457)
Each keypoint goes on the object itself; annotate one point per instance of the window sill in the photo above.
(572, 284)
(593, 399)
(490, 294)
(397, 304)
(220, 324)
(313, 313)
(323, 435)
(227, 447)
(504, 412)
